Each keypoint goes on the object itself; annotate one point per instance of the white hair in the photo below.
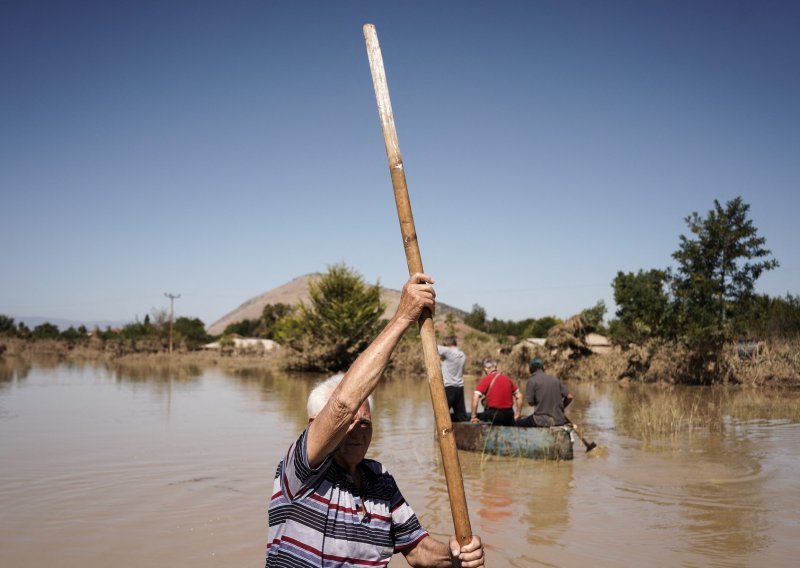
(320, 394)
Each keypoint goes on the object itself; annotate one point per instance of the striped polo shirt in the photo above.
(317, 518)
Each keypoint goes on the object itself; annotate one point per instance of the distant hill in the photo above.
(296, 291)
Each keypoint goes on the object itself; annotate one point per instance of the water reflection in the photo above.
(653, 412)
(547, 514)
(13, 369)
(181, 460)
(517, 492)
(286, 393)
(706, 459)
(148, 372)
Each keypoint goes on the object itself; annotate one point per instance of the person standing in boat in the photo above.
(503, 399)
(548, 396)
(331, 506)
(453, 361)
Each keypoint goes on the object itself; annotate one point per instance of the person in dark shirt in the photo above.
(548, 396)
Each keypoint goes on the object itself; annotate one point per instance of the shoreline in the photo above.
(779, 367)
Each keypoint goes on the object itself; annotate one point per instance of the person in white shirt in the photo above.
(453, 361)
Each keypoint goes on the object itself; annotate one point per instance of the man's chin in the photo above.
(352, 455)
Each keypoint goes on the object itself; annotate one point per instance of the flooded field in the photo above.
(165, 467)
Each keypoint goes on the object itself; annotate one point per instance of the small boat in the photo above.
(537, 443)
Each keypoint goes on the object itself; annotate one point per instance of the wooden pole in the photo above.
(441, 410)
(172, 298)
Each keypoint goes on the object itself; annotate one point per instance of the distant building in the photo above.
(246, 344)
(598, 343)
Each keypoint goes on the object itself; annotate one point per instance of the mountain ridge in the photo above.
(296, 290)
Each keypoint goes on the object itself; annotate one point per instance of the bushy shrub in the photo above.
(342, 318)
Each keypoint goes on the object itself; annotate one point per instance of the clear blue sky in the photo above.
(220, 149)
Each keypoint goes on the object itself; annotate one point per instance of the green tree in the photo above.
(503, 329)
(105, 334)
(72, 334)
(245, 328)
(138, 330)
(476, 318)
(594, 316)
(450, 324)
(7, 326)
(23, 330)
(773, 318)
(520, 328)
(716, 273)
(784, 317)
(270, 316)
(540, 327)
(342, 318)
(46, 330)
(642, 305)
(192, 331)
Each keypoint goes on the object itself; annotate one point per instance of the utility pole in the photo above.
(172, 298)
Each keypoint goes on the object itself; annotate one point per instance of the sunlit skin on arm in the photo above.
(344, 425)
(430, 553)
(336, 418)
(476, 396)
(517, 404)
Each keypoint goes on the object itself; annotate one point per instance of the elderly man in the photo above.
(332, 507)
(502, 398)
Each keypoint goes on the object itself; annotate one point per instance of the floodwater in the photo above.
(103, 467)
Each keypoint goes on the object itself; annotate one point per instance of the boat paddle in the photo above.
(589, 445)
(441, 410)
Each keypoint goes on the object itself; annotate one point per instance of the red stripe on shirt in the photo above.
(413, 543)
(316, 552)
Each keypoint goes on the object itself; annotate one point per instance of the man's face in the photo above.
(356, 443)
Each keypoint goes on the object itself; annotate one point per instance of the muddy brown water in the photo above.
(174, 468)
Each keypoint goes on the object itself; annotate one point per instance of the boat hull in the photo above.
(535, 443)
